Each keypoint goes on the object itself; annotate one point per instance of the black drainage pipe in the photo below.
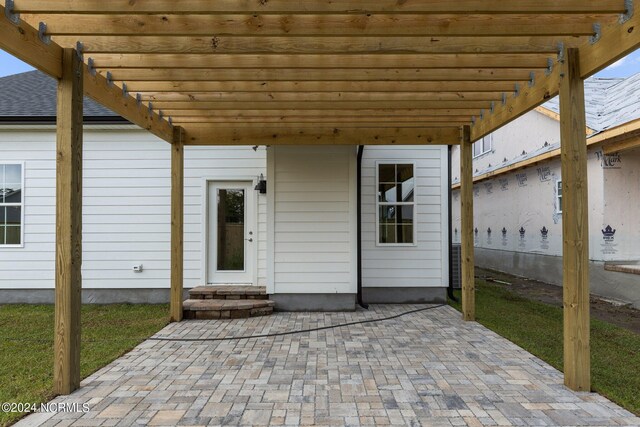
(359, 227)
(450, 224)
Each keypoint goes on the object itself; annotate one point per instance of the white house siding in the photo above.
(313, 216)
(126, 208)
(422, 265)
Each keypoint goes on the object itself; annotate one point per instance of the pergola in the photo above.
(268, 72)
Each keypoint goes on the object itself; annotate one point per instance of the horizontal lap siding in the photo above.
(407, 266)
(126, 208)
(313, 220)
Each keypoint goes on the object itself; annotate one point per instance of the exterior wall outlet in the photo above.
(137, 268)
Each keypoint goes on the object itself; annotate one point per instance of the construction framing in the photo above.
(368, 72)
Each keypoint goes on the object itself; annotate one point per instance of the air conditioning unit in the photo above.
(456, 264)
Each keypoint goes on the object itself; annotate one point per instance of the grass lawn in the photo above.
(537, 327)
(26, 345)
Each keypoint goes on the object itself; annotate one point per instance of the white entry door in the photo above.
(232, 233)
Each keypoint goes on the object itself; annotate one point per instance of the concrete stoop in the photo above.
(227, 302)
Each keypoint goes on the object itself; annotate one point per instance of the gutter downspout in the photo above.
(450, 223)
(359, 227)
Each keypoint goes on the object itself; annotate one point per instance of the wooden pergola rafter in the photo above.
(267, 72)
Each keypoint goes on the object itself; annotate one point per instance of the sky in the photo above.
(625, 67)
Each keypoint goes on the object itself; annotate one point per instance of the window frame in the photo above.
(558, 195)
(482, 141)
(414, 203)
(21, 204)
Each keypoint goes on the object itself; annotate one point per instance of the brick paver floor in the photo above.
(427, 368)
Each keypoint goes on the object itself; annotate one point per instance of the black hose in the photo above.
(300, 331)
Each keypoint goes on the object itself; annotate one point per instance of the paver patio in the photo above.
(427, 368)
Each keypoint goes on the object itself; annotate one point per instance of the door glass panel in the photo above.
(231, 212)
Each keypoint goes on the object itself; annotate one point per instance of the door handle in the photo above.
(249, 240)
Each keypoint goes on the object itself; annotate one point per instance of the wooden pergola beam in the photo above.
(323, 86)
(296, 96)
(527, 61)
(290, 44)
(214, 134)
(337, 74)
(350, 123)
(616, 41)
(68, 276)
(319, 6)
(22, 41)
(321, 105)
(381, 112)
(289, 24)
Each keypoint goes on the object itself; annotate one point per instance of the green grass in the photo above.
(537, 327)
(26, 345)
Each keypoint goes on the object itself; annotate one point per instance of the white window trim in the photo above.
(21, 204)
(558, 196)
(414, 203)
(482, 153)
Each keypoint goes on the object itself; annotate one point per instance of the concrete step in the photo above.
(230, 292)
(226, 308)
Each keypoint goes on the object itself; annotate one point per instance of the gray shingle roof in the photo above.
(609, 102)
(33, 95)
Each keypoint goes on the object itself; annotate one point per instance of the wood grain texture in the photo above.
(353, 74)
(575, 225)
(318, 6)
(466, 229)
(363, 24)
(177, 225)
(114, 61)
(319, 96)
(212, 134)
(22, 42)
(616, 41)
(323, 86)
(68, 276)
(216, 43)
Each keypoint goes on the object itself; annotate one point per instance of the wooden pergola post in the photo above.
(466, 209)
(68, 276)
(575, 225)
(177, 224)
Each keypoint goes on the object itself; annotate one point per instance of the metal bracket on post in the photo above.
(8, 12)
(170, 121)
(125, 92)
(549, 69)
(628, 4)
(139, 99)
(160, 114)
(532, 79)
(473, 120)
(42, 33)
(80, 51)
(560, 52)
(91, 67)
(150, 108)
(597, 33)
(492, 107)
(109, 79)
(481, 114)
(516, 90)
(504, 98)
